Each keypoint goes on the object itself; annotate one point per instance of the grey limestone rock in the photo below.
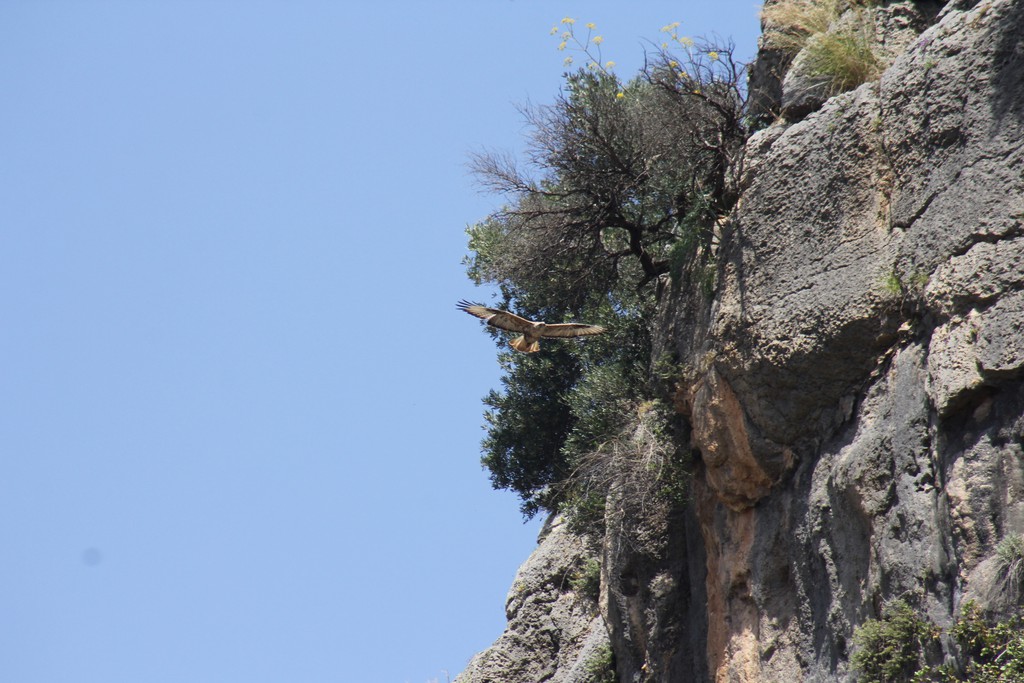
(868, 324)
(554, 634)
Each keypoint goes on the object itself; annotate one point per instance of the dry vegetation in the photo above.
(838, 42)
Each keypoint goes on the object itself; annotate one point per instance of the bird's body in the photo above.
(531, 332)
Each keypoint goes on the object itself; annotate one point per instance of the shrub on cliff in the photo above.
(897, 646)
(992, 651)
(892, 648)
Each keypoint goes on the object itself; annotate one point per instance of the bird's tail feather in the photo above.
(519, 344)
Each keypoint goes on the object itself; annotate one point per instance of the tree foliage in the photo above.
(898, 646)
(621, 183)
(617, 173)
(892, 648)
(993, 651)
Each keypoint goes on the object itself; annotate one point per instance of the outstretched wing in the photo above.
(496, 317)
(571, 330)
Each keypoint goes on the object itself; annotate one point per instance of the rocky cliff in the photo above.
(852, 390)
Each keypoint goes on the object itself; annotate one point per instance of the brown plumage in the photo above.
(531, 332)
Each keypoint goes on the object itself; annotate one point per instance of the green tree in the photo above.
(622, 173)
(993, 651)
(892, 648)
(622, 184)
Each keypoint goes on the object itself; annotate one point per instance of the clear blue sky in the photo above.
(211, 467)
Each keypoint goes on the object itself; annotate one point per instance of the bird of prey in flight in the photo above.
(530, 332)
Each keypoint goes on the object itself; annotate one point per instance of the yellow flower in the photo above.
(664, 46)
(591, 26)
(561, 45)
(673, 64)
(567, 35)
(597, 40)
(619, 95)
(609, 64)
(591, 65)
(567, 61)
(568, 20)
(713, 55)
(554, 30)
(688, 42)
